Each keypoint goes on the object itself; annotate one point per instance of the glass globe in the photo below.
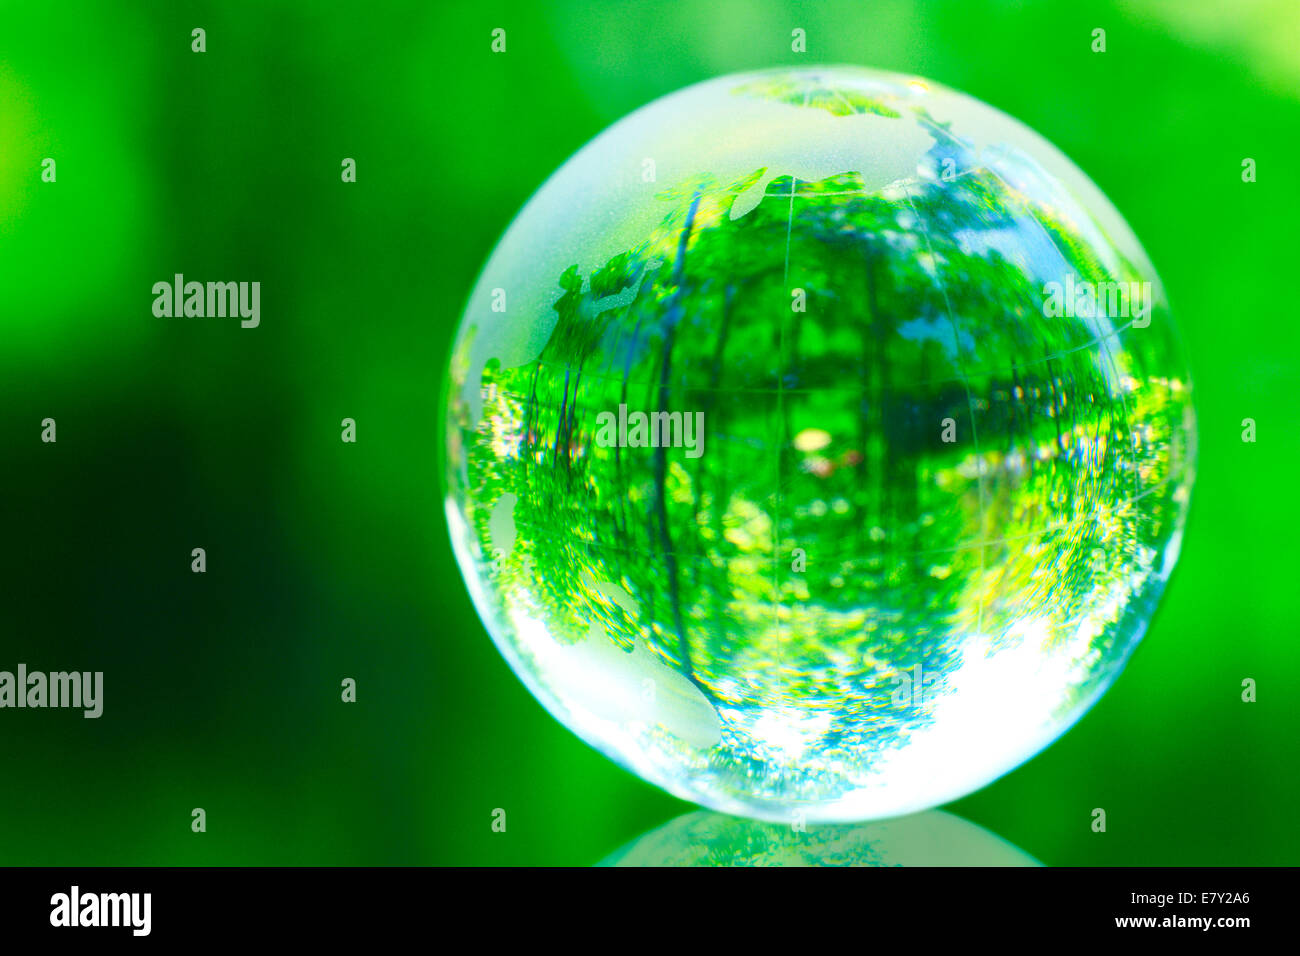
(818, 442)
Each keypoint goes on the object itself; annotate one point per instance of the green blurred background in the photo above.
(329, 560)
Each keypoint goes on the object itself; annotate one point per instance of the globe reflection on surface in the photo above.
(932, 838)
(818, 442)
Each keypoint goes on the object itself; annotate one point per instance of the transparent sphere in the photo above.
(818, 443)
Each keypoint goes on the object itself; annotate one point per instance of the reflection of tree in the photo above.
(915, 315)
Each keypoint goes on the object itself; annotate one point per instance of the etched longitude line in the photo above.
(1110, 355)
(1107, 349)
(840, 96)
(970, 401)
(781, 437)
(780, 427)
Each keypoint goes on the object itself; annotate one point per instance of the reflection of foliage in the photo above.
(915, 317)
